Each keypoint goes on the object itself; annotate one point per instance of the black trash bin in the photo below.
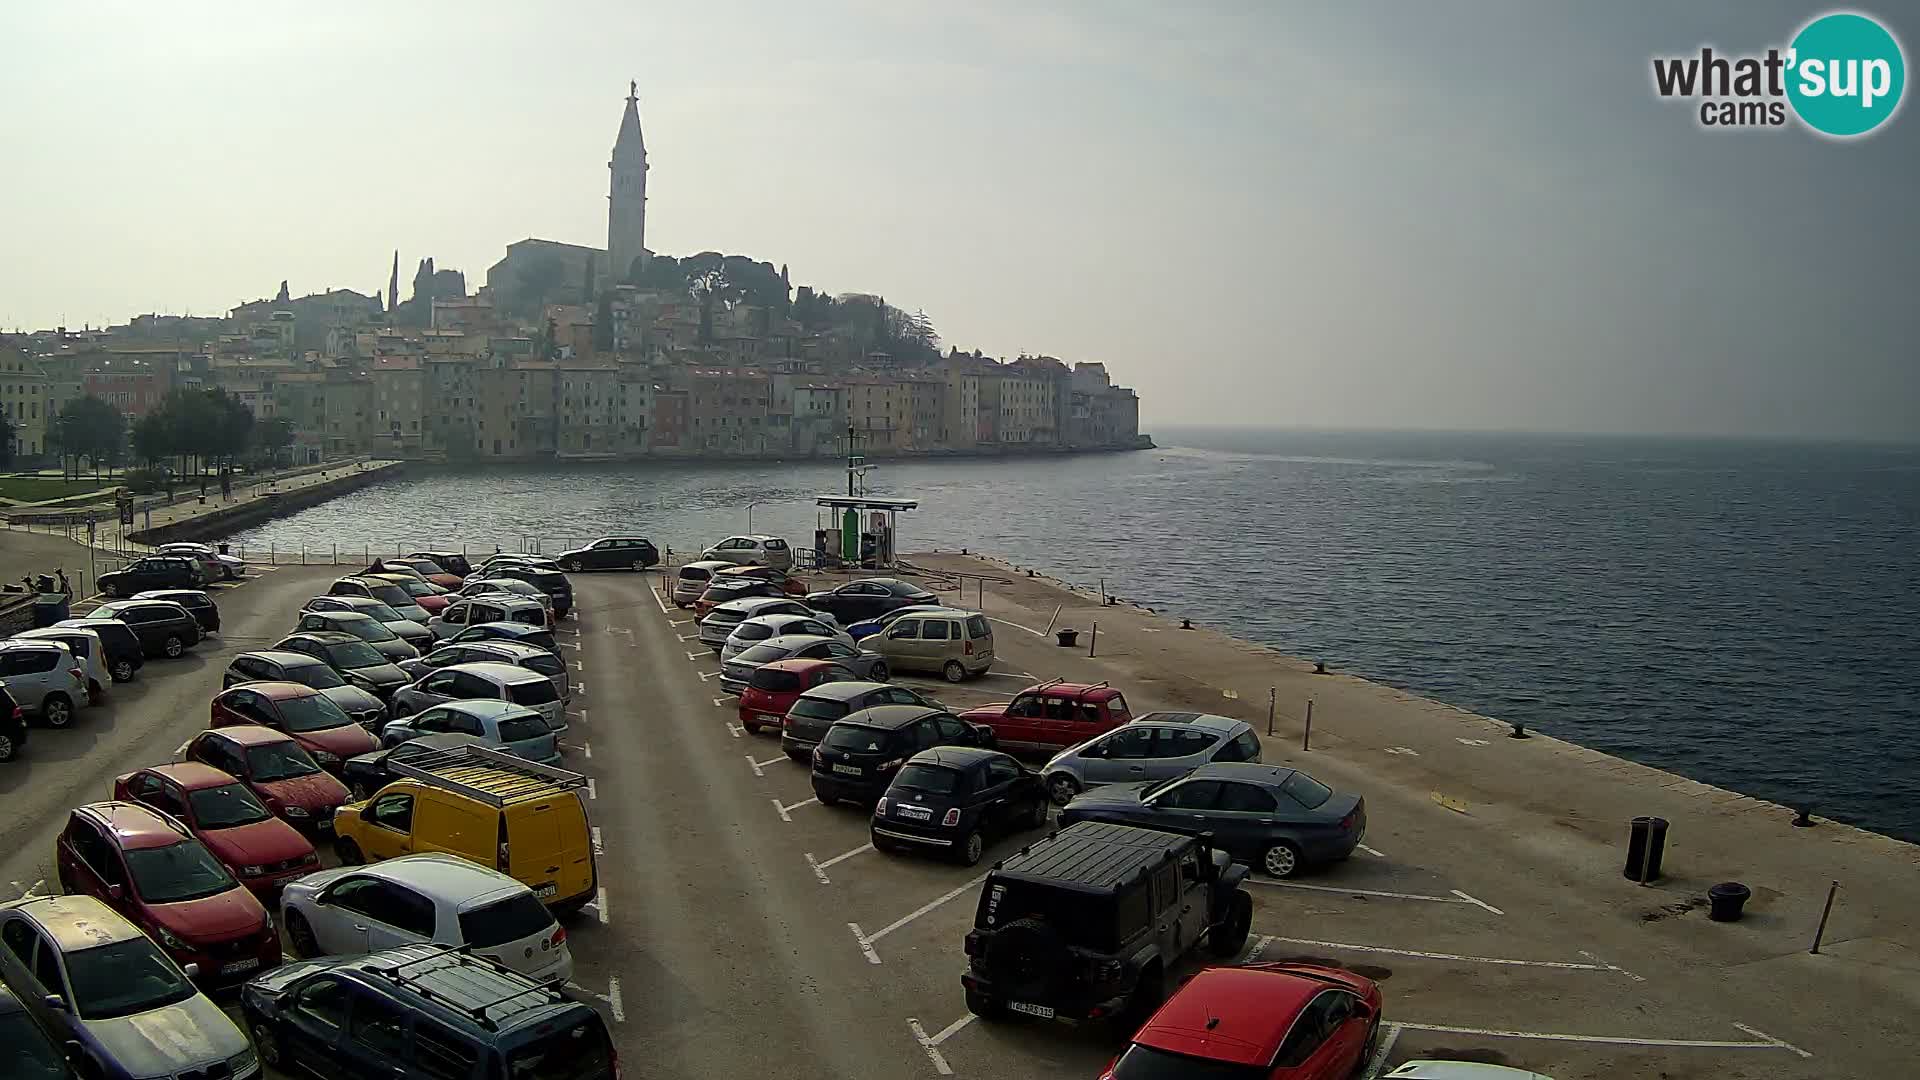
(1646, 844)
(222, 547)
(1067, 635)
(1725, 901)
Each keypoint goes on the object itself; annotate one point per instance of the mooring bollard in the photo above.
(1821, 930)
(1803, 819)
(1519, 731)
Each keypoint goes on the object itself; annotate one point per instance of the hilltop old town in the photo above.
(575, 352)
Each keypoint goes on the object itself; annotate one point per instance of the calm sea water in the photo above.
(1746, 614)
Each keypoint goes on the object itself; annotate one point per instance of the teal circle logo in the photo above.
(1845, 74)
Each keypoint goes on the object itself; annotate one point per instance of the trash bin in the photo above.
(222, 548)
(50, 608)
(1725, 901)
(1646, 844)
(1067, 637)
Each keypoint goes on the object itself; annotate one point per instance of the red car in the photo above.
(776, 686)
(1053, 715)
(322, 728)
(274, 767)
(260, 849)
(1261, 1022)
(147, 867)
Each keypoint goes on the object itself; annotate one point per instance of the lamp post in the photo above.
(750, 507)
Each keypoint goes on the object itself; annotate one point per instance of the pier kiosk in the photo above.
(856, 530)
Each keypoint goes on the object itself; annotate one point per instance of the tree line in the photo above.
(199, 429)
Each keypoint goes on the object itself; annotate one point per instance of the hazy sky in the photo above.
(1431, 215)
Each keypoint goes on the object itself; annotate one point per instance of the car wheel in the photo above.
(752, 727)
(1230, 936)
(571, 566)
(1147, 996)
(879, 672)
(8, 749)
(639, 566)
(826, 799)
(122, 671)
(1369, 1048)
(1282, 860)
(955, 671)
(348, 851)
(266, 1043)
(57, 711)
(300, 935)
(1039, 818)
(971, 849)
(798, 755)
(173, 647)
(885, 847)
(1061, 788)
(984, 1007)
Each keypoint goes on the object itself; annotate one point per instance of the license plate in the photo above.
(850, 770)
(772, 718)
(918, 813)
(1044, 1012)
(324, 824)
(545, 892)
(240, 965)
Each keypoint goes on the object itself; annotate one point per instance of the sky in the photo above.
(1468, 215)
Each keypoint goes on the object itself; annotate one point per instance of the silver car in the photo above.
(690, 580)
(413, 633)
(735, 673)
(724, 617)
(761, 628)
(1156, 746)
(531, 657)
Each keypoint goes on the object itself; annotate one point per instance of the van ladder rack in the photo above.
(463, 768)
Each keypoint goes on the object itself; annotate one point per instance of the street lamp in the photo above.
(750, 507)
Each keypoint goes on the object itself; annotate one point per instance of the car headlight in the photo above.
(298, 811)
(243, 1062)
(170, 940)
(269, 926)
(325, 758)
(252, 871)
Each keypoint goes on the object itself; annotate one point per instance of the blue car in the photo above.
(26, 1053)
(869, 627)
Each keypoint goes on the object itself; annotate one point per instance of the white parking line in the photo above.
(755, 766)
(733, 729)
(1348, 946)
(953, 1029)
(580, 688)
(784, 809)
(598, 847)
(657, 600)
(1476, 902)
(1767, 1042)
(705, 675)
(600, 904)
(769, 761)
(567, 645)
(820, 868)
(865, 945)
(932, 1048)
(1613, 967)
(722, 703)
(1378, 1062)
(578, 666)
(579, 714)
(1375, 852)
(614, 1002)
(1017, 626)
(593, 792)
(1458, 897)
(586, 750)
(688, 637)
(692, 657)
(867, 940)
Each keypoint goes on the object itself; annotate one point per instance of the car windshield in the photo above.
(762, 654)
(226, 807)
(934, 779)
(314, 712)
(516, 917)
(1306, 791)
(317, 676)
(379, 612)
(580, 1052)
(1146, 1063)
(390, 594)
(124, 978)
(857, 739)
(347, 655)
(423, 588)
(25, 1053)
(177, 873)
(775, 680)
(752, 632)
(279, 761)
(533, 692)
(366, 630)
(523, 728)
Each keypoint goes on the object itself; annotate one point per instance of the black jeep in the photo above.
(1089, 922)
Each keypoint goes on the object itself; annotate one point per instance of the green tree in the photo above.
(88, 428)
(275, 437)
(6, 441)
(153, 438)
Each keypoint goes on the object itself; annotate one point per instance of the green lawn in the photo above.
(43, 488)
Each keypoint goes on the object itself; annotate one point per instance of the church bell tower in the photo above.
(627, 197)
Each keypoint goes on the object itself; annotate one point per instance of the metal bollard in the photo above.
(1821, 931)
(1093, 637)
(1306, 733)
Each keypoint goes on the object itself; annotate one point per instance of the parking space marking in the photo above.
(953, 1029)
(580, 714)
(29, 892)
(614, 1002)
(932, 1048)
(593, 792)
(578, 666)
(820, 868)
(1613, 967)
(599, 848)
(586, 750)
(867, 940)
(567, 645)
(784, 809)
(733, 729)
(1017, 626)
(705, 675)
(688, 637)
(600, 904)
(722, 703)
(580, 687)
(757, 771)
(1348, 946)
(769, 761)
(692, 657)
(1458, 897)
(657, 600)
(1375, 852)
(1765, 1042)
(1378, 1062)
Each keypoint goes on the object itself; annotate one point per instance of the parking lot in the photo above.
(740, 925)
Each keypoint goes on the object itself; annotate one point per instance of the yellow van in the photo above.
(522, 818)
(958, 644)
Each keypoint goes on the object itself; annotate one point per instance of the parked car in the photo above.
(322, 728)
(1157, 746)
(868, 598)
(481, 586)
(369, 773)
(531, 657)
(387, 592)
(163, 627)
(611, 553)
(955, 643)
(1277, 1020)
(261, 850)
(789, 584)
(154, 873)
(751, 632)
(950, 799)
(516, 729)
(506, 683)
(393, 567)
(552, 582)
(1094, 921)
(45, 679)
(1274, 818)
(427, 1029)
(413, 633)
(719, 622)
(522, 558)
(775, 687)
(453, 562)
(277, 665)
(27, 1052)
(426, 596)
(815, 711)
(752, 550)
(124, 653)
(101, 982)
(537, 636)
(861, 754)
(356, 661)
(364, 627)
(284, 777)
(87, 649)
(868, 627)
(152, 572)
(429, 898)
(1459, 1070)
(215, 565)
(198, 603)
(526, 819)
(428, 569)
(737, 671)
(488, 608)
(13, 726)
(690, 580)
(722, 589)
(1054, 715)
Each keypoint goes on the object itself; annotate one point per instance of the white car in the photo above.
(415, 899)
(761, 628)
(86, 647)
(44, 678)
(752, 551)
(213, 565)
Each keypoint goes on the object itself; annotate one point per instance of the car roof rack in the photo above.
(462, 768)
(549, 990)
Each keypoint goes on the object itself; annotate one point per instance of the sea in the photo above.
(1743, 613)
